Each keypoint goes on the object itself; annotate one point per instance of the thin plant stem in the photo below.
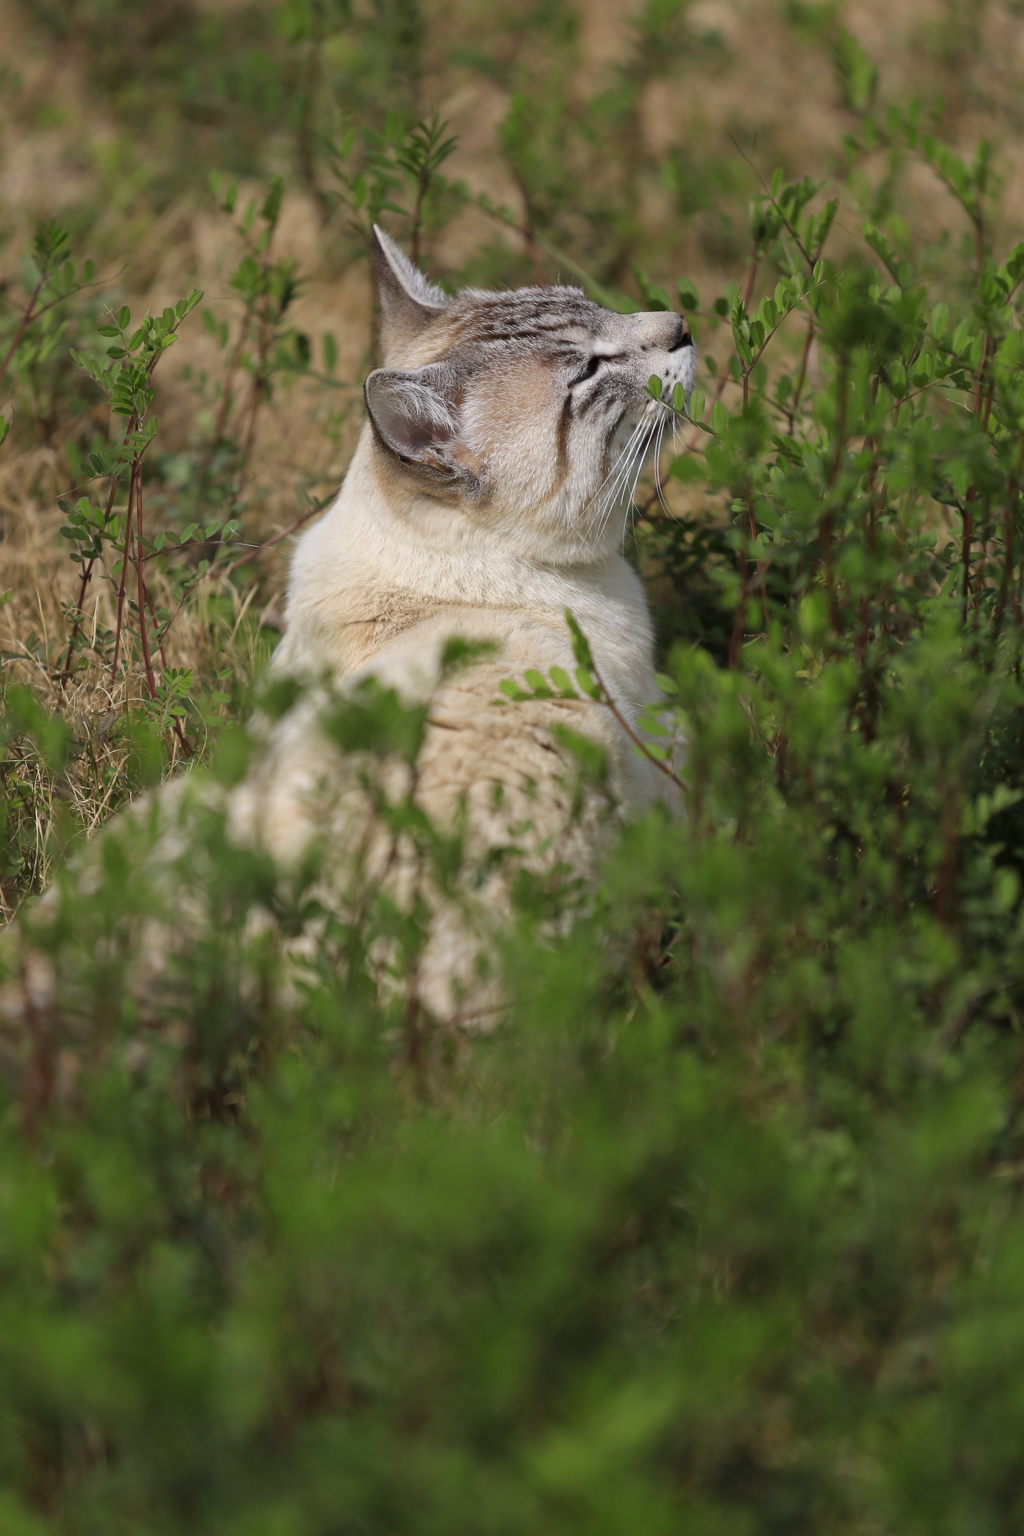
(139, 569)
(1007, 572)
(1013, 493)
(119, 625)
(794, 405)
(965, 555)
(26, 320)
(739, 622)
(610, 704)
(87, 569)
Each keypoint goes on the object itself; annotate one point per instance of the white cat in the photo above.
(505, 432)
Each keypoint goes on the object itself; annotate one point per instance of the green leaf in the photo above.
(689, 468)
(563, 683)
(580, 644)
(590, 754)
(1013, 266)
(538, 682)
(884, 248)
(588, 683)
(655, 296)
(687, 294)
(857, 74)
(458, 653)
(271, 210)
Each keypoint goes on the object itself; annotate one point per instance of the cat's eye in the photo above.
(592, 365)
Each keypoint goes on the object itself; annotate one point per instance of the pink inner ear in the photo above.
(421, 434)
(411, 423)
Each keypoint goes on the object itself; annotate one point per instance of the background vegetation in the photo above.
(722, 1231)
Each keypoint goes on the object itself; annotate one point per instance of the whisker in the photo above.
(635, 457)
(604, 496)
(630, 518)
(658, 483)
(613, 471)
(608, 492)
(623, 475)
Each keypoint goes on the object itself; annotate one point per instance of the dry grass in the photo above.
(767, 93)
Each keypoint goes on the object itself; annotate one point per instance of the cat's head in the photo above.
(529, 410)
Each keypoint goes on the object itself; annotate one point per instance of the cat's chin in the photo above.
(580, 541)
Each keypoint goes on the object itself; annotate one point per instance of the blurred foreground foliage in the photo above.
(721, 1230)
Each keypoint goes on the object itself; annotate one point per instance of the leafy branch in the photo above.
(57, 279)
(589, 685)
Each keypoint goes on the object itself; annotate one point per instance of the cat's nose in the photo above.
(664, 331)
(683, 337)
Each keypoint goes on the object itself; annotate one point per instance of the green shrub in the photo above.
(721, 1230)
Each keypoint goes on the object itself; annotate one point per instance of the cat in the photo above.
(504, 434)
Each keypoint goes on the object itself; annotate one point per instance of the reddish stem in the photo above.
(87, 566)
(87, 569)
(736, 638)
(795, 402)
(965, 558)
(982, 378)
(755, 262)
(610, 704)
(26, 321)
(118, 628)
(1004, 584)
(139, 568)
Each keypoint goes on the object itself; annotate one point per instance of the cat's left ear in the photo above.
(416, 419)
(408, 302)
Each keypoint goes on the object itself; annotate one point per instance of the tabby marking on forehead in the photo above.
(524, 316)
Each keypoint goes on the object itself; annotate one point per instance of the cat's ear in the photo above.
(408, 302)
(415, 417)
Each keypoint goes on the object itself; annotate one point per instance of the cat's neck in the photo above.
(378, 553)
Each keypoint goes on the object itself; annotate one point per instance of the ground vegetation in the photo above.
(722, 1230)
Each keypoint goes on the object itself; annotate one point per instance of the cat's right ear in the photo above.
(416, 419)
(408, 302)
